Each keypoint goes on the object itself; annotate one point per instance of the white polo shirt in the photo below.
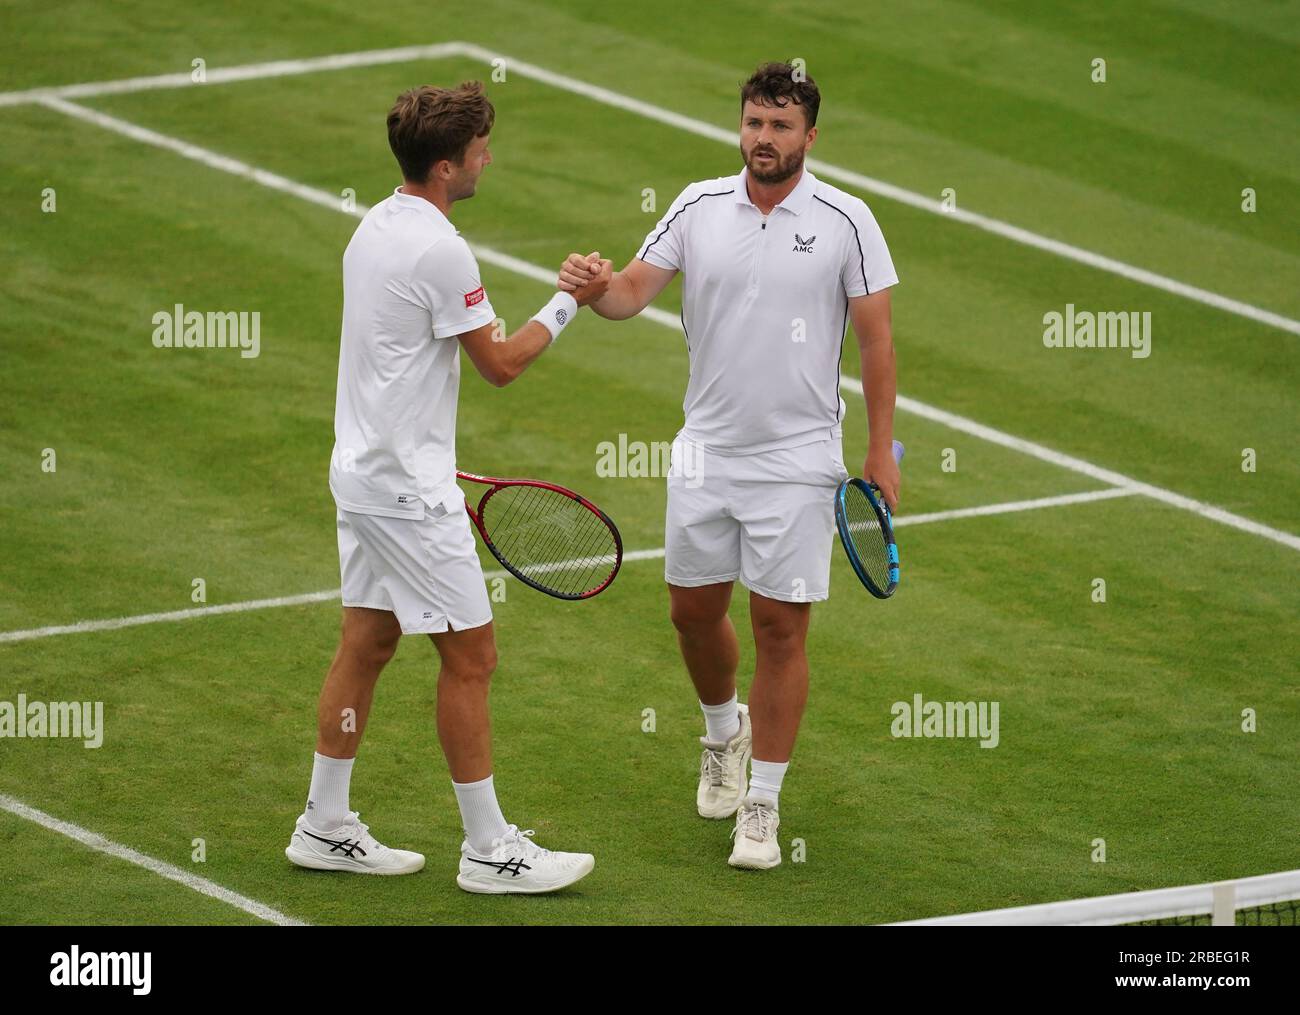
(764, 307)
(410, 286)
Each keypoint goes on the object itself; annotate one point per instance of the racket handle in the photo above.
(898, 451)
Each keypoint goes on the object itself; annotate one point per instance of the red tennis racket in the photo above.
(550, 538)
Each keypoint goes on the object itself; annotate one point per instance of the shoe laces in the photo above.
(755, 821)
(523, 840)
(363, 836)
(713, 766)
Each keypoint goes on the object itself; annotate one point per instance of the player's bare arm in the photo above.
(870, 315)
(499, 360)
(630, 290)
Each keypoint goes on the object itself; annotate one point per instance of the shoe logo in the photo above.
(804, 246)
(310, 806)
(345, 846)
(512, 865)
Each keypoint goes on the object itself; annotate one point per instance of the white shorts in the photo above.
(767, 519)
(425, 570)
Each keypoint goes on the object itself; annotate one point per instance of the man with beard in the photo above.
(774, 261)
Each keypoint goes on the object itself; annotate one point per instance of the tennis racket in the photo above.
(865, 528)
(550, 538)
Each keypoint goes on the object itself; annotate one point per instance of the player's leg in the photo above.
(780, 690)
(776, 705)
(468, 659)
(329, 835)
(708, 642)
(709, 648)
(444, 595)
(367, 642)
(785, 506)
(701, 563)
(496, 857)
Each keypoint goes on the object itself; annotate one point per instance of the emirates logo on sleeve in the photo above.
(477, 296)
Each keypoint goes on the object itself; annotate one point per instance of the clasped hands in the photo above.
(586, 277)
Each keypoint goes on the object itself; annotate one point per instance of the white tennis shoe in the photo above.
(515, 865)
(724, 771)
(755, 834)
(350, 847)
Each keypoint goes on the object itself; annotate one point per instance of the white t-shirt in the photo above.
(410, 286)
(764, 307)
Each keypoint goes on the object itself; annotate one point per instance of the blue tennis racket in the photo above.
(865, 528)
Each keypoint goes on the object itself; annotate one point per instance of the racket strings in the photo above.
(551, 538)
(561, 542)
(569, 553)
(868, 536)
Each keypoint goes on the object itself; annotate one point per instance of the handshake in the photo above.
(585, 278)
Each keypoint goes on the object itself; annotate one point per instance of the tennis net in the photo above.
(1268, 900)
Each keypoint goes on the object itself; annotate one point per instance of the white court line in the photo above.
(1011, 507)
(700, 128)
(115, 623)
(1046, 454)
(244, 72)
(87, 626)
(514, 264)
(323, 198)
(173, 873)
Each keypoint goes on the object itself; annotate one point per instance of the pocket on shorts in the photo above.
(837, 462)
(823, 463)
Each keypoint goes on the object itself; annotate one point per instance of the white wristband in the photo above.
(557, 313)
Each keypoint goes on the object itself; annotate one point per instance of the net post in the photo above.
(1223, 900)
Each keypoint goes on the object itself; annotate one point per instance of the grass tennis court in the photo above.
(1120, 721)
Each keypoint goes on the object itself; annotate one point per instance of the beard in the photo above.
(781, 168)
(463, 186)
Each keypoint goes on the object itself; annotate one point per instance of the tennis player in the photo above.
(773, 262)
(412, 298)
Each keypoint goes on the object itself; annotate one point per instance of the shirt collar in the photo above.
(418, 203)
(796, 201)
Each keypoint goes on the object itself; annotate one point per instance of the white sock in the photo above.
(480, 813)
(722, 722)
(765, 781)
(327, 800)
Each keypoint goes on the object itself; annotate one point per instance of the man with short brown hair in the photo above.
(412, 297)
(774, 262)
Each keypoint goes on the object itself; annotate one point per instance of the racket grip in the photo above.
(898, 451)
